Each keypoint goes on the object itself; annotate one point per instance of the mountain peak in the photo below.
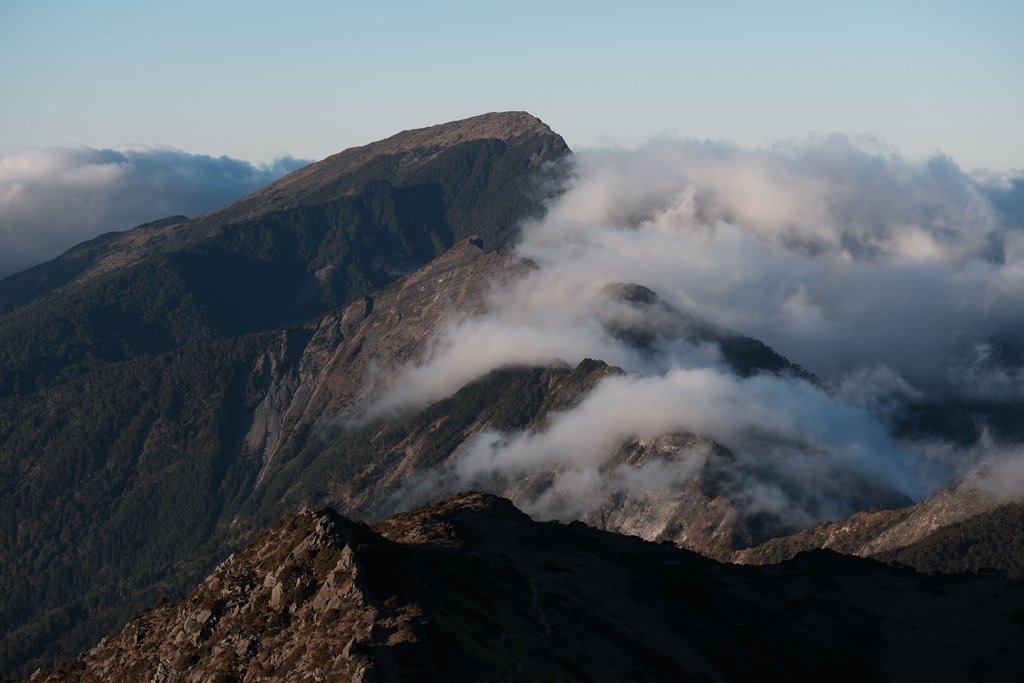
(508, 126)
(400, 159)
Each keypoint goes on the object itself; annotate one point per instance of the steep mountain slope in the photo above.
(127, 482)
(471, 589)
(359, 346)
(991, 540)
(22, 288)
(316, 239)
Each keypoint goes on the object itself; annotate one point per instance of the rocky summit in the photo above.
(472, 589)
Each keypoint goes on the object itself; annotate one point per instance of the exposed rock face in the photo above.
(377, 333)
(293, 606)
(471, 589)
(690, 513)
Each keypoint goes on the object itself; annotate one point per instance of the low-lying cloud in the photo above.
(838, 257)
(835, 256)
(803, 456)
(53, 198)
(891, 279)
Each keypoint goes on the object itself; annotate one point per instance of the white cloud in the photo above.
(53, 198)
(835, 256)
(880, 274)
(789, 437)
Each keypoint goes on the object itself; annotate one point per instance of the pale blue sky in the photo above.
(255, 79)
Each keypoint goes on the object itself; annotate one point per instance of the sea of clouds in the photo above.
(55, 197)
(890, 279)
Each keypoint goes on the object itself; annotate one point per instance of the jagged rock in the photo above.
(472, 589)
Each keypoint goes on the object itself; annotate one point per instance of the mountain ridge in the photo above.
(401, 154)
(982, 531)
(472, 589)
(508, 127)
(346, 227)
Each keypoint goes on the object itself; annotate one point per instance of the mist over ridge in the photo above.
(837, 257)
(892, 280)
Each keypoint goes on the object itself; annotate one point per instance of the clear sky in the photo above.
(257, 79)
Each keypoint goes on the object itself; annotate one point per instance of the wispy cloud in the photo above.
(889, 278)
(52, 198)
(799, 454)
(837, 256)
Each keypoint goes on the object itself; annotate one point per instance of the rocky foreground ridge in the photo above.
(472, 589)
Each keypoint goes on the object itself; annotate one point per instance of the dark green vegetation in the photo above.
(129, 366)
(137, 490)
(336, 230)
(22, 288)
(106, 481)
(471, 589)
(991, 541)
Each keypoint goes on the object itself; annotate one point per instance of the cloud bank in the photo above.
(891, 279)
(836, 256)
(53, 198)
(801, 455)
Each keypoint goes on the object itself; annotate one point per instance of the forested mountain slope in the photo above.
(328, 233)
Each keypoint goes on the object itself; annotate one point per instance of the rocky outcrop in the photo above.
(301, 577)
(472, 589)
(353, 349)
